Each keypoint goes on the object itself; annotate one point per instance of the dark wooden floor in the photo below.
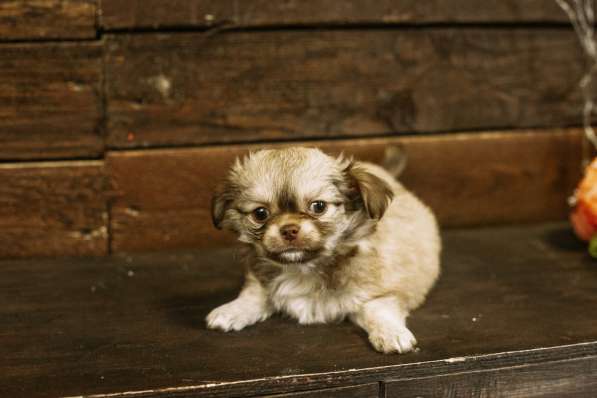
(509, 298)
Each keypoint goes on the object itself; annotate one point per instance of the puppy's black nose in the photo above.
(290, 231)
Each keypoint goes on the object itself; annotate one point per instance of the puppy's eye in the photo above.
(260, 214)
(317, 207)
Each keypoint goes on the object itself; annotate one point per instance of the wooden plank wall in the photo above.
(182, 89)
(31, 20)
(53, 208)
(117, 118)
(468, 179)
(135, 14)
(51, 100)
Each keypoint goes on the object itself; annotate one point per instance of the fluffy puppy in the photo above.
(327, 238)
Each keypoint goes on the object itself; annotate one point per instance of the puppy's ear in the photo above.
(374, 193)
(220, 202)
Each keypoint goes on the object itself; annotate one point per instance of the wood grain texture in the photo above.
(468, 179)
(47, 19)
(52, 209)
(514, 296)
(50, 100)
(364, 391)
(563, 379)
(246, 13)
(190, 88)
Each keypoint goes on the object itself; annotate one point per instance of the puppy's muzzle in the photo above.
(290, 231)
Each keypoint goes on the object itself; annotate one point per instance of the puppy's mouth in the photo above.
(294, 256)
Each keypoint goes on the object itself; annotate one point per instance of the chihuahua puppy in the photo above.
(327, 239)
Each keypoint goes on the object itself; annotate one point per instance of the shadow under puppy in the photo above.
(327, 238)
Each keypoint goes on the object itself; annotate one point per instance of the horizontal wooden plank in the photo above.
(50, 100)
(181, 89)
(468, 179)
(47, 19)
(363, 391)
(562, 379)
(133, 326)
(203, 13)
(53, 208)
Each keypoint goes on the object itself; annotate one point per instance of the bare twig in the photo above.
(582, 15)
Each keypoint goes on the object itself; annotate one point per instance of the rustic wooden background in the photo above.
(117, 118)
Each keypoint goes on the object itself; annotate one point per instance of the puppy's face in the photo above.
(295, 205)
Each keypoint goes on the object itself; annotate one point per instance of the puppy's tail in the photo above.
(395, 160)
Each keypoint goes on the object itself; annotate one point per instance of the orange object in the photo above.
(584, 214)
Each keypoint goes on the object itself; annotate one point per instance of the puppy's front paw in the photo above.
(390, 340)
(234, 315)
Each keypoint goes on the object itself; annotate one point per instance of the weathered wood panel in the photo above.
(50, 100)
(47, 19)
(180, 89)
(203, 13)
(364, 391)
(53, 208)
(565, 379)
(133, 326)
(468, 179)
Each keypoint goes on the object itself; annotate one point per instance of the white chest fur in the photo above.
(304, 294)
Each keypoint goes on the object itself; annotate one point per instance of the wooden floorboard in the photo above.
(508, 296)
(576, 378)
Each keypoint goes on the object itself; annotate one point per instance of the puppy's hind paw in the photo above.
(235, 315)
(388, 341)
